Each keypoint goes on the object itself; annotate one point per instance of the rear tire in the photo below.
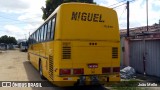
(41, 71)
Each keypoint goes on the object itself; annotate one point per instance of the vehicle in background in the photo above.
(23, 46)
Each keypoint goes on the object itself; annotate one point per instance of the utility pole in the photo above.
(127, 18)
(147, 12)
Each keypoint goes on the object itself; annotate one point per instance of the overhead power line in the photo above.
(117, 3)
(122, 12)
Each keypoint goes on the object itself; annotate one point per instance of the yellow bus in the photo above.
(79, 44)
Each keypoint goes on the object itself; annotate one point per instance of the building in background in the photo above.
(142, 49)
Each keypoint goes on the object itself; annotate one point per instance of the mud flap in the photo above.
(81, 81)
(94, 80)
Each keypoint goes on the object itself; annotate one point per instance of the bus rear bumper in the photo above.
(83, 81)
(87, 80)
(97, 80)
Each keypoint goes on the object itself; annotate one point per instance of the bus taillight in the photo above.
(78, 71)
(106, 70)
(65, 71)
(116, 69)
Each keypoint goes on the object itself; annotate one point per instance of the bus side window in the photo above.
(52, 29)
(33, 38)
(45, 31)
(37, 36)
(48, 30)
(42, 31)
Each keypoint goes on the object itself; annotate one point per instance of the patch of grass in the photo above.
(126, 84)
(127, 88)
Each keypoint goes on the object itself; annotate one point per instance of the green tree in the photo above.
(4, 39)
(12, 40)
(8, 40)
(51, 5)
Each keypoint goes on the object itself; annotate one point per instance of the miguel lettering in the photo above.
(83, 16)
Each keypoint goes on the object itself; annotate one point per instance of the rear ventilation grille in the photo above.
(51, 67)
(66, 53)
(114, 52)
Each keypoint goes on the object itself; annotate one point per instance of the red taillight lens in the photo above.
(78, 71)
(65, 71)
(106, 70)
(116, 69)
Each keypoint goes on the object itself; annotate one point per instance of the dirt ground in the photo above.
(14, 66)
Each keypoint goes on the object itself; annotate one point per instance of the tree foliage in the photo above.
(8, 40)
(51, 5)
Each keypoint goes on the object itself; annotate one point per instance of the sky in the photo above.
(18, 18)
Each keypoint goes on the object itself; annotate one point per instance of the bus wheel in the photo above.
(41, 71)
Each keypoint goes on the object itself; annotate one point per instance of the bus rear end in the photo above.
(88, 44)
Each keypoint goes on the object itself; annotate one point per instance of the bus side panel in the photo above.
(32, 57)
(36, 55)
(48, 64)
(31, 54)
(58, 56)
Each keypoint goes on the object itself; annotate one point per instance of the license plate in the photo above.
(92, 65)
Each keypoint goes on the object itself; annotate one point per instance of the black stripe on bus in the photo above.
(38, 55)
